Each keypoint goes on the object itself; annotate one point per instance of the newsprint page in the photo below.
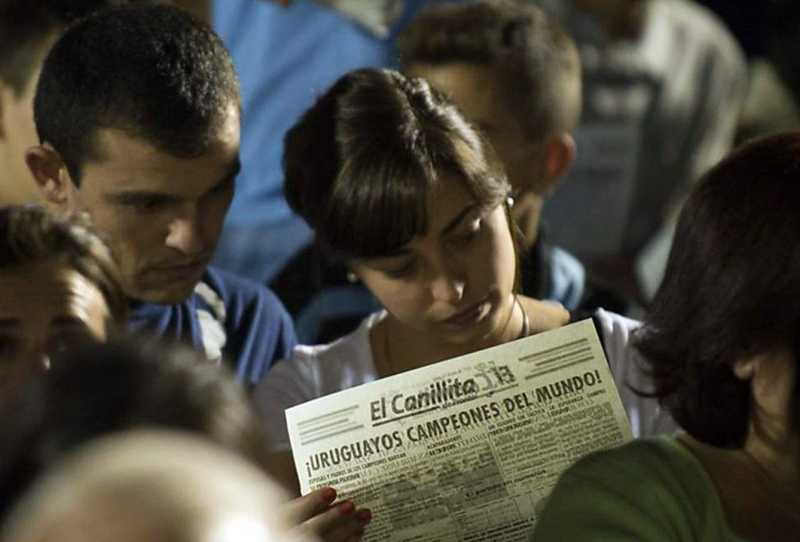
(466, 449)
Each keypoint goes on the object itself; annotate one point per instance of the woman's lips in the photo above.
(470, 315)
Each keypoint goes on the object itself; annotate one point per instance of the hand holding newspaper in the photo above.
(468, 448)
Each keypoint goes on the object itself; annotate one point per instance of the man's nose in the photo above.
(184, 236)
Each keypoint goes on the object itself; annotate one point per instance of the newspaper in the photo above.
(468, 448)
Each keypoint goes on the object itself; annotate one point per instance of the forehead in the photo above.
(46, 290)
(128, 163)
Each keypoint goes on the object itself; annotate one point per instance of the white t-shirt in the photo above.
(315, 371)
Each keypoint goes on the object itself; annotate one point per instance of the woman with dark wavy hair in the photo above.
(401, 188)
(723, 343)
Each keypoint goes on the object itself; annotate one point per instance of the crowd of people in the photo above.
(446, 177)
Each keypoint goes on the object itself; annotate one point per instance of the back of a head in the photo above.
(26, 26)
(30, 235)
(730, 288)
(155, 486)
(101, 389)
(151, 71)
(535, 61)
(379, 141)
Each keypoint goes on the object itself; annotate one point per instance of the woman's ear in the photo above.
(52, 177)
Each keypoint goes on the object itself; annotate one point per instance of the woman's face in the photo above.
(454, 282)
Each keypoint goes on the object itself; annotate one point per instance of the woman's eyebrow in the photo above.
(455, 222)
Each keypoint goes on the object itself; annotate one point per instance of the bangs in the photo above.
(378, 204)
(379, 201)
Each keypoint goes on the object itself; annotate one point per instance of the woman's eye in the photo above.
(401, 271)
(472, 231)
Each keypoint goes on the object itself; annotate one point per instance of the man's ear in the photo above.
(744, 370)
(3, 96)
(558, 155)
(52, 177)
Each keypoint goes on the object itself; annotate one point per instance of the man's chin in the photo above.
(163, 296)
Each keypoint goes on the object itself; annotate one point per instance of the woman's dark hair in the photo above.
(100, 389)
(360, 164)
(29, 235)
(731, 288)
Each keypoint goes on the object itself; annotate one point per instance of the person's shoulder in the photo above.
(237, 292)
(699, 24)
(328, 368)
(652, 459)
(614, 330)
(567, 277)
(652, 472)
(615, 326)
(231, 285)
(350, 350)
(543, 315)
(649, 489)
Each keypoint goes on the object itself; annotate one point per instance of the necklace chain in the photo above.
(525, 323)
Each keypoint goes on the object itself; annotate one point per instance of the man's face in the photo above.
(160, 215)
(47, 306)
(474, 89)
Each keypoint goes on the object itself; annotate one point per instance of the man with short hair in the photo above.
(516, 75)
(138, 114)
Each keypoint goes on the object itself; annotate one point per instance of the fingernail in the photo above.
(346, 507)
(364, 516)
(328, 494)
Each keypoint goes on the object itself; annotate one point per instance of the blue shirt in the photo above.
(228, 318)
(286, 58)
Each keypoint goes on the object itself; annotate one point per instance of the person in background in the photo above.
(151, 485)
(27, 30)
(137, 112)
(99, 390)
(516, 76)
(663, 84)
(58, 287)
(721, 342)
(405, 192)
